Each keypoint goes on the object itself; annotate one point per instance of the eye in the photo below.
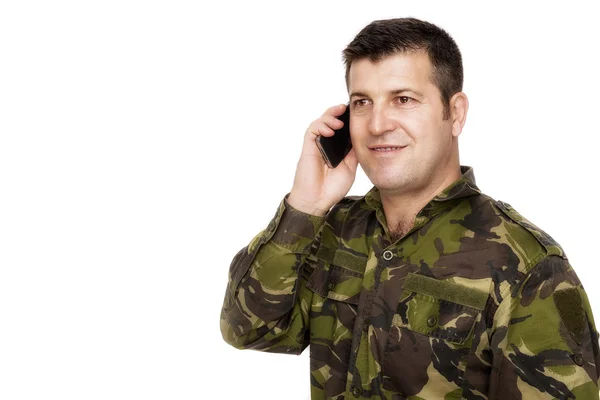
(360, 103)
(404, 99)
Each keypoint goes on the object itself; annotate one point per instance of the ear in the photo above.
(459, 106)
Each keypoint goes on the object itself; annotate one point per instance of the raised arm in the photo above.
(266, 302)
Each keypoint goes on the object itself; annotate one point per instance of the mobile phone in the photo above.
(335, 148)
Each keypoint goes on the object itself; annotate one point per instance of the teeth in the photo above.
(386, 148)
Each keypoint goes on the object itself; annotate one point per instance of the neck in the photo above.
(401, 208)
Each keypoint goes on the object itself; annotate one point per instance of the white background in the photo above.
(144, 143)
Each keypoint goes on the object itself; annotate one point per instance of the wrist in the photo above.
(305, 207)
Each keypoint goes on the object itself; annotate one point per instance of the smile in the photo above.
(383, 149)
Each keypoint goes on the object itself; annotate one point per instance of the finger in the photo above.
(325, 126)
(318, 127)
(335, 110)
(332, 122)
(324, 130)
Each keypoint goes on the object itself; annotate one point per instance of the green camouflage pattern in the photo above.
(475, 302)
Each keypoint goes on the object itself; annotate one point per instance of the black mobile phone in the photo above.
(335, 148)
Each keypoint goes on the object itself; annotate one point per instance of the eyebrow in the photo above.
(395, 91)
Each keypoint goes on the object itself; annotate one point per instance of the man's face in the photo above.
(394, 103)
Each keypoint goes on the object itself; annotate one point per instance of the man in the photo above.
(423, 288)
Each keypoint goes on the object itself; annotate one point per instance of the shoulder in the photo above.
(346, 220)
(551, 246)
(524, 237)
(348, 206)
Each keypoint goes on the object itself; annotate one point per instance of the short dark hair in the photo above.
(384, 38)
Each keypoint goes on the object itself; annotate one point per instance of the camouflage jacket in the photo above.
(474, 302)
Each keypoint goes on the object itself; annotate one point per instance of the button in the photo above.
(578, 359)
(330, 285)
(431, 321)
(387, 255)
(356, 391)
(366, 326)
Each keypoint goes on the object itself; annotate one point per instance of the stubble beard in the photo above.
(395, 179)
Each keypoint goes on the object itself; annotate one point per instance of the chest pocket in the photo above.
(430, 337)
(337, 282)
(338, 275)
(439, 309)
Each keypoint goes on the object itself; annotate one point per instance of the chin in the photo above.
(390, 181)
(392, 176)
(390, 186)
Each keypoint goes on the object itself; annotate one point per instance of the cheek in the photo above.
(418, 125)
(358, 134)
(425, 130)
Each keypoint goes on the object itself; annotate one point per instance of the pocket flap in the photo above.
(439, 309)
(338, 275)
(444, 290)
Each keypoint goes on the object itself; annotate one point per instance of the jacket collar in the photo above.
(462, 187)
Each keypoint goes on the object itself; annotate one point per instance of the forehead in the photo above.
(398, 70)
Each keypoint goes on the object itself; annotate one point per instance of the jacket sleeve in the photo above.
(545, 343)
(267, 303)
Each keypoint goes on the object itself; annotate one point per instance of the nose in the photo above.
(380, 122)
